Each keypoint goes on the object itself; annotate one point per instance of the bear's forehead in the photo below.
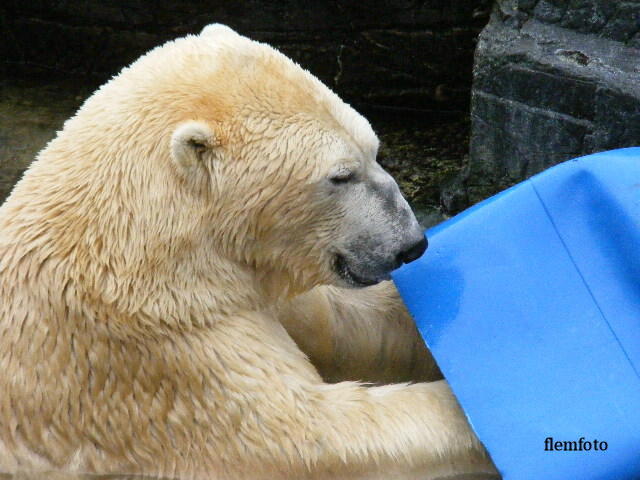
(286, 85)
(221, 72)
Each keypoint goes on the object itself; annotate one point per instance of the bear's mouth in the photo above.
(341, 267)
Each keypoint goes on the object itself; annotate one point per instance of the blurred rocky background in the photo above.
(552, 79)
(406, 64)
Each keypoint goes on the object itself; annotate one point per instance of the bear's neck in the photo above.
(90, 246)
(58, 280)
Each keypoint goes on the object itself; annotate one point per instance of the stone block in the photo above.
(553, 80)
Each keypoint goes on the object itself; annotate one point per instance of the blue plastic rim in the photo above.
(530, 303)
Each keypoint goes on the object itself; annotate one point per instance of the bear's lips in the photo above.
(343, 270)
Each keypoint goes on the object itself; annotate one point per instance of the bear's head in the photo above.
(290, 170)
(220, 151)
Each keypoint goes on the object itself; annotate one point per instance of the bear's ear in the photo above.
(190, 142)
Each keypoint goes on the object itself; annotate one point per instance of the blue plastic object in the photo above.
(530, 303)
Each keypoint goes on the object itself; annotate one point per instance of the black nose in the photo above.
(414, 252)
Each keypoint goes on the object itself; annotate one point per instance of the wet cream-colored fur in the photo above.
(150, 260)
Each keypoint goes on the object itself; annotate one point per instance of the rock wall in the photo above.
(553, 79)
(400, 54)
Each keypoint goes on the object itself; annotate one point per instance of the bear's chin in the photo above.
(351, 279)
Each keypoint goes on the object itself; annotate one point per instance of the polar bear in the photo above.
(209, 194)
